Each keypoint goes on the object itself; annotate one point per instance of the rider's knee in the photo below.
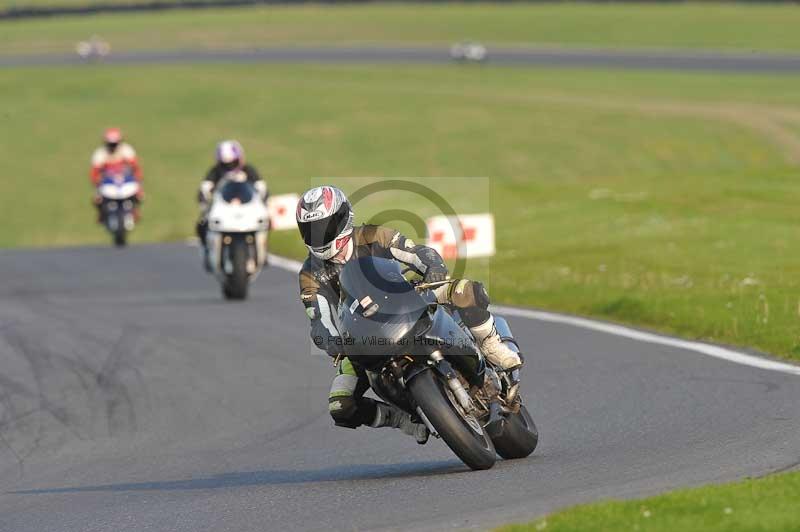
(468, 294)
(201, 228)
(348, 412)
(343, 410)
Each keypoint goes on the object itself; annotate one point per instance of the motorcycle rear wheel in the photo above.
(473, 447)
(520, 436)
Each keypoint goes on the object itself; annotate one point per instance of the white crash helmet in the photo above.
(230, 154)
(325, 220)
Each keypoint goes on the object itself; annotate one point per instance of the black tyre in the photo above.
(465, 437)
(235, 286)
(121, 237)
(118, 233)
(520, 437)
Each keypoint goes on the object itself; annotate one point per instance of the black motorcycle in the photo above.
(420, 357)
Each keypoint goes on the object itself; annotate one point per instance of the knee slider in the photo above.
(462, 294)
(468, 294)
(201, 227)
(343, 410)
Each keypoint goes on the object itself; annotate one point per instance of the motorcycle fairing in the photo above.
(382, 315)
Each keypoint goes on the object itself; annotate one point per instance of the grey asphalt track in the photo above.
(133, 398)
(545, 56)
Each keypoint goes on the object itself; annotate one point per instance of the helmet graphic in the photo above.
(230, 154)
(325, 219)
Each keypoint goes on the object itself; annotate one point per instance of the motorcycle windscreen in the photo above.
(117, 178)
(236, 192)
(379, 308)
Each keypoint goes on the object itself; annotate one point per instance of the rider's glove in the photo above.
(204, 193)
(436, 273)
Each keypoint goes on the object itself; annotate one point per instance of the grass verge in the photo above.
(765, 504)
(26, 4)
(744, 27)
(655, 199)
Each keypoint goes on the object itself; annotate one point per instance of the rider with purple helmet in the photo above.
(229, 157)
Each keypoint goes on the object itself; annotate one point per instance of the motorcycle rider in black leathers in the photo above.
(229, 158)
(325, 219)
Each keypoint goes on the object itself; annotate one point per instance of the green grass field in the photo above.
(752, 505)
(656, 199)
(741, 27)
(22, 4)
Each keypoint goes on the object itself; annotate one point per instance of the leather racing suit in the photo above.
(320, 292)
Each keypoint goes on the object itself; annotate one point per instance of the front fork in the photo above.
(495, 424)
(496, 419)
(450, 375)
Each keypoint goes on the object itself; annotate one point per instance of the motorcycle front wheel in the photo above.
(235, 286)
(115, 222)
(461, 432)
(121, 236)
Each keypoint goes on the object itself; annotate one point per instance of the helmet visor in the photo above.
(320, 233)
(231, 165)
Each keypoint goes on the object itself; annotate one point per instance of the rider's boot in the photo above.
(202, 232)
(499, 353)
(99, 206)
(390, 416)
(493, 347)
(206, 259)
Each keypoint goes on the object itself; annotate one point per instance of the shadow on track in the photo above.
(273, 477)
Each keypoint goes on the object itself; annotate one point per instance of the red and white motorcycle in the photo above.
(118, 193)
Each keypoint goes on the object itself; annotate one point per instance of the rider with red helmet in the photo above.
(115, 156)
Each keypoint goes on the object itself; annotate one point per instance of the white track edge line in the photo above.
(651, 338)
(284, 263)
(616, 330)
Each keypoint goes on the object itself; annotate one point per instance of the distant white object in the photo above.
(463, 236)
(468, 51)
(282, 211)
(94, 48)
